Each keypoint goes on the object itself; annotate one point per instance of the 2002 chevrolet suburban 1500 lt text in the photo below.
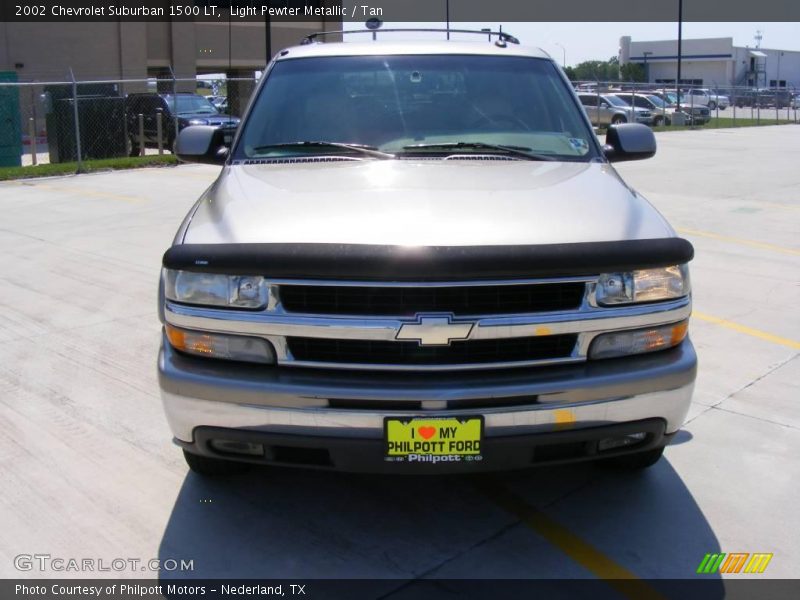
(418, 258)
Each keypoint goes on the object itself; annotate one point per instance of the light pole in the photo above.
(646, 72)
(447, 16)
(680, 49)
(564, 53)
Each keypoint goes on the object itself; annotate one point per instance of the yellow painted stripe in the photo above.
(769, 337)
(582, 552)
(735, 240)
(81, 191)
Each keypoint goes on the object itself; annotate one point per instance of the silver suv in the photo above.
(609, 109)
(417, 258)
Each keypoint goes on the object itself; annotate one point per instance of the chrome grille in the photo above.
(522, 349)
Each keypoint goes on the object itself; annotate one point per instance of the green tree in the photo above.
(632, 72)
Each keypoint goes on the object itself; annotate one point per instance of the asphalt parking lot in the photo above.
(89, 469)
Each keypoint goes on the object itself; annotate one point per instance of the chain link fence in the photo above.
(70, 121)
(664, 105)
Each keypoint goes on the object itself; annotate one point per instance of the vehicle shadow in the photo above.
(287, 523)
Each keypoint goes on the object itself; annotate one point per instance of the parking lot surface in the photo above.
(89, 470)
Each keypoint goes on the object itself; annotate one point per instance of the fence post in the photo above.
(758, 108)
(141, 134)
(174, 109)
(32, 136)
(159, 132)
(77, 123)
(597, 91)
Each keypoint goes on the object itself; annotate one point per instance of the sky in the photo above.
(600, 41)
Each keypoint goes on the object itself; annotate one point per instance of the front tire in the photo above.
(712, 105)
(635, 461)
(131, 147)
(212, 467)
(658, 121)
(618, 119)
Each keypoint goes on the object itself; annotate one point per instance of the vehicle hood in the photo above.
(422, 202)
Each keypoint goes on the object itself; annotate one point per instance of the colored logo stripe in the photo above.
(713, 563)
(758, 563)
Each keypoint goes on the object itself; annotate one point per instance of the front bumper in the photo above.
(304, 407)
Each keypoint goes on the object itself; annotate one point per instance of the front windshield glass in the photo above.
(657, 101)
(191, 104)
(616, 101)
(409, 104)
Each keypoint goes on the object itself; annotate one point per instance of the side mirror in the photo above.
(604, 105)
(629, 141)
(202, 144)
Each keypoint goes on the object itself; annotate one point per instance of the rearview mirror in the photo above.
(202, 144)
(629, 141)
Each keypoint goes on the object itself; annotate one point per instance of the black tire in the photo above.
(212, 467)
(132, 147)
(657, 121)
(635, 461)
(617, 119)
(712, 105)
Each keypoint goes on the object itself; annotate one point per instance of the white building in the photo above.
(713, 62)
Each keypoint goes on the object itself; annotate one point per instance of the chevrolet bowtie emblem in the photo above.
(434, 331)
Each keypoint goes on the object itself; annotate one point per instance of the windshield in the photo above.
(416, 104)
(191, 104)
(657, 101)
(616, 101)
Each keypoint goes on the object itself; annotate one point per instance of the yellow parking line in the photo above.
(81, 191)
(583, 553)
(776, 339)
(735, 240)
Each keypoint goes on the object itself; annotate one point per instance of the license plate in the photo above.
(413, 439)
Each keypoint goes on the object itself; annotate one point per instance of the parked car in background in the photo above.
(695, 96)
(795, 101)
(763, 98)
(186, 109)
(700, 114)
(608, 109)
(661, 110)
(716, 100)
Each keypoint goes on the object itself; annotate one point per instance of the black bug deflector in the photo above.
(430, 263)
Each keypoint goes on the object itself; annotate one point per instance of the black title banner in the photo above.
(355, 12)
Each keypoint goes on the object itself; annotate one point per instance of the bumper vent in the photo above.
(408, 301)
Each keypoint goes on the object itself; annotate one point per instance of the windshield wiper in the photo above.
(516, 151)
(360, 148)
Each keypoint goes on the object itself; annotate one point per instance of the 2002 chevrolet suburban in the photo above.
(417, 257)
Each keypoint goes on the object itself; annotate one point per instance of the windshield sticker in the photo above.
(579, 144)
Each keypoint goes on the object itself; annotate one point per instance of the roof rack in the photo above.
(501, 35)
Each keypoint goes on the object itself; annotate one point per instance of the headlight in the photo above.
(234, 291)
(198, 122)
(647, 285)
(638, 341)
(217, 345)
